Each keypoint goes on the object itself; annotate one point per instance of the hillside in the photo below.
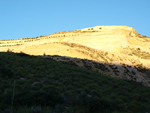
(32, 84)
(110, 45)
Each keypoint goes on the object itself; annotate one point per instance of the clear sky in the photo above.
(31, 18)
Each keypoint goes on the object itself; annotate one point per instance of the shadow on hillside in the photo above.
(123, 71)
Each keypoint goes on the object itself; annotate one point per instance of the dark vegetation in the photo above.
(141, 54)
(31, 84)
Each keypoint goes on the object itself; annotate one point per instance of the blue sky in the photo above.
(31, 18)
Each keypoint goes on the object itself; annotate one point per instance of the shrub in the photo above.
(36, 109)
(22, 54)
(6, 72)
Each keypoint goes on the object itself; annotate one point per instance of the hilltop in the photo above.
(108, 45)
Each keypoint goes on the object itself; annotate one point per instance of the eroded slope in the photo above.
(107, 44)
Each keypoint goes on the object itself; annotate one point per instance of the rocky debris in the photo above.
(116, 69)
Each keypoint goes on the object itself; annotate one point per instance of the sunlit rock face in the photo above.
(119, 46)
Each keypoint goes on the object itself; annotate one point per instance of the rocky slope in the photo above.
(118, 51)
(114, 69)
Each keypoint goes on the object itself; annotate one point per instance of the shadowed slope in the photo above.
(115, 69)
(44, 85)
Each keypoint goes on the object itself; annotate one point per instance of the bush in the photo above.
(6, 72)
(22, 54)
